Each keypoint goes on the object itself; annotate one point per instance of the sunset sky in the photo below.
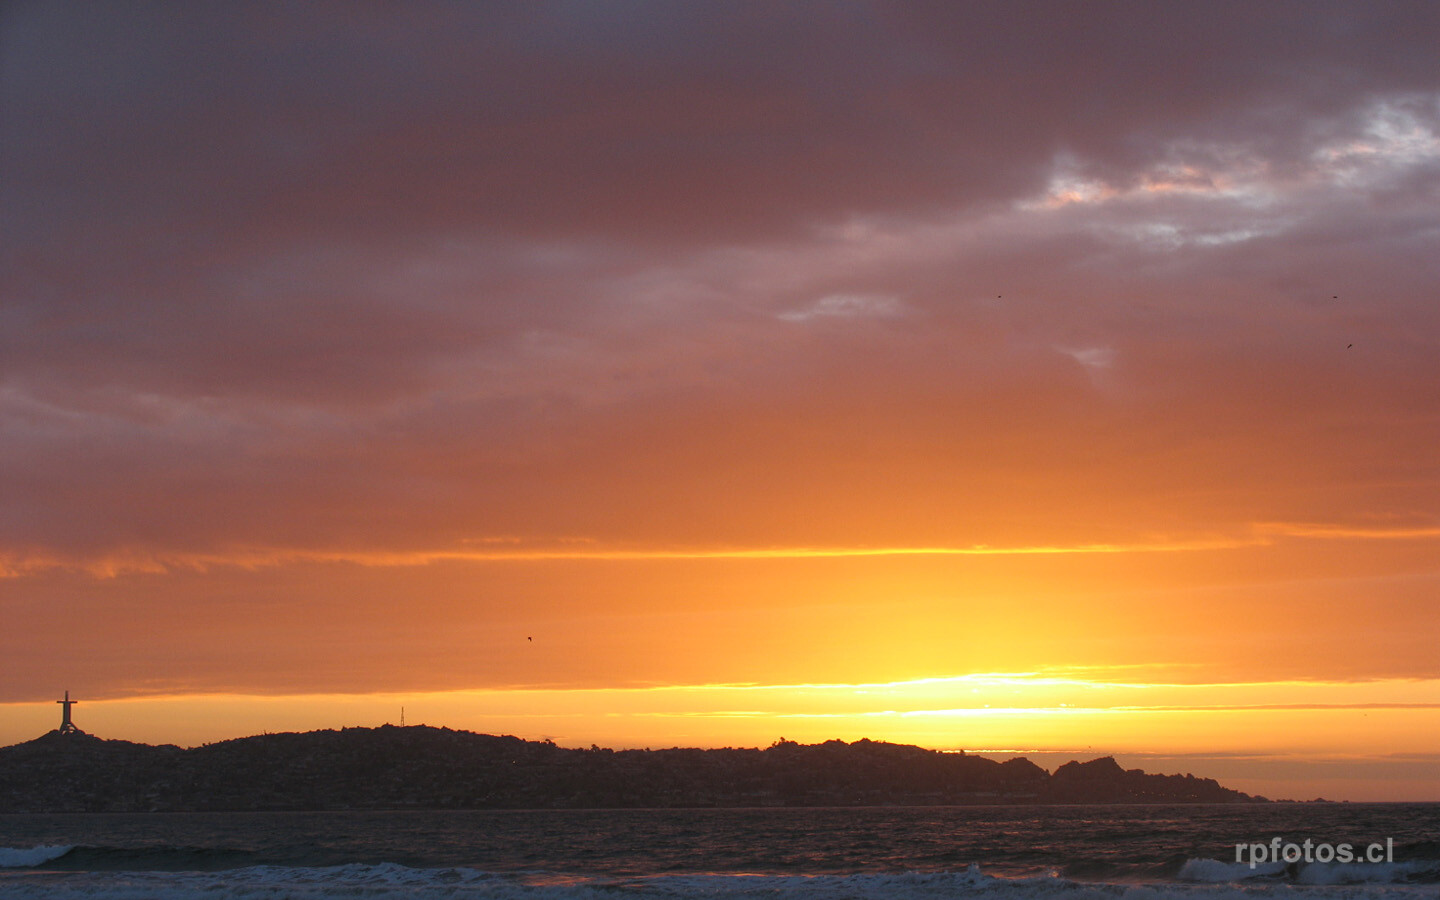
(1057, 378)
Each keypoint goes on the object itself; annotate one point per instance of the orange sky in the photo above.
(722, 374)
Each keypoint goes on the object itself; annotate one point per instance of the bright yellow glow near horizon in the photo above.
(1047, 712)
(1212, 655)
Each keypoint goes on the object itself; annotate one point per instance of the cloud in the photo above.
(327, 282)
(846, 306)
(1091, 357)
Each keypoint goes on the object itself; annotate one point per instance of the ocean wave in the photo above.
(1214, 871)
(158, 857)
(17, 858)
(390, 880)
(1410, 872)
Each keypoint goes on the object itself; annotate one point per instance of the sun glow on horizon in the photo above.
(1321, 720)
(718, 377)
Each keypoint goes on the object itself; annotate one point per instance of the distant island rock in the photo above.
(423, 767)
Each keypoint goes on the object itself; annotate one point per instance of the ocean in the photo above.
(997, 852)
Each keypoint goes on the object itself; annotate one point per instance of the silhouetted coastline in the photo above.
(423, 767)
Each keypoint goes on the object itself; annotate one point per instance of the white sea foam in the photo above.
(394, 881)
(15, 858)
(1365, 873)
(1214, 871)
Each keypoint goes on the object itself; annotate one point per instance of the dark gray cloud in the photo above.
(413, 274)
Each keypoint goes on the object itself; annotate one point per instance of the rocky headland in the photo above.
(423, 767)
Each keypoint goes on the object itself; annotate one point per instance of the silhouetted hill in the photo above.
(436, 768)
